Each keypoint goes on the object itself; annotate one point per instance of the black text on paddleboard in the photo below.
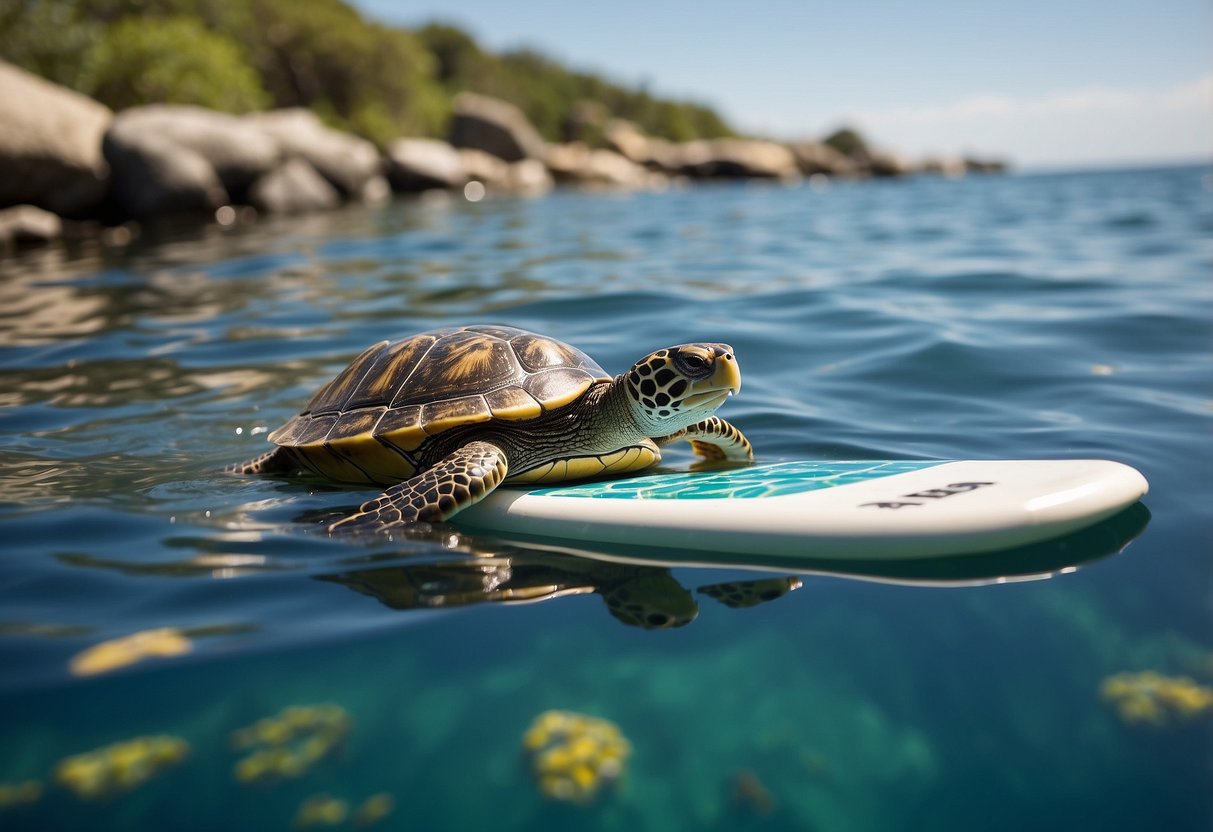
(919, 498)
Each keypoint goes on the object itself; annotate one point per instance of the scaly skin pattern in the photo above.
(714, 438)
(455, 483)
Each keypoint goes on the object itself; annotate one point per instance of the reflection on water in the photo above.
(1062, 316)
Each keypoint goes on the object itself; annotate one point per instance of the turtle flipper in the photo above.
(277, 461)
(714, 438)
(460, 479)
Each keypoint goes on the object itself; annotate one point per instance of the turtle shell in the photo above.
(370, 422)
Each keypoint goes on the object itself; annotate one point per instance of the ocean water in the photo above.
(1064, 315)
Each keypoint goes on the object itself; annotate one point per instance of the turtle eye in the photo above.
(691, 364)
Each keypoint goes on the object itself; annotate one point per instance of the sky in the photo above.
(1042, 83)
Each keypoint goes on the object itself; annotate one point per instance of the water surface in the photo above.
(1026, 316)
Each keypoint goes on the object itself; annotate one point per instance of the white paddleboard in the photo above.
(862, 510)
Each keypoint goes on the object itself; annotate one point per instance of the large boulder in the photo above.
(349, 163)
(818, 157)
(575, 162)
(496, 127)
(153, 176)
(293, 188)
(528, 176)
(50, 145)
(739, 159)
(422, 164)
(238, 151)
(634, 145)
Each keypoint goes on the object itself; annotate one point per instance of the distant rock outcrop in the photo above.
(239, 152)
(738, 159)
(293, 188)
(575, 162)
(50, 145)
(153, 176)
(422, 164)
(349, 163)
(28, 224)
(818, 157)
(496, 127)
(63, 152)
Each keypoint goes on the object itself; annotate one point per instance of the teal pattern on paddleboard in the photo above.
(766, 480)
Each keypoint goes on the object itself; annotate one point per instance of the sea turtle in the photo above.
(446, 416)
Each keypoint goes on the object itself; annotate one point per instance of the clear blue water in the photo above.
(1025, 316)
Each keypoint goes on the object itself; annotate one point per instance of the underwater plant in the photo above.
(1151, 697)
(120, 767)
(289, 744)
(574, 756)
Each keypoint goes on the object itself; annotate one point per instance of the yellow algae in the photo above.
(289, 744)
(321, 810)
(574, 756)
(374, 809)
(164, 642)
(119, 767)
(1154, 698)
(19, 794)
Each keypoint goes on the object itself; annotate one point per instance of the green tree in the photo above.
(172, 60)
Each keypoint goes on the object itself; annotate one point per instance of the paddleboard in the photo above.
(856, 510)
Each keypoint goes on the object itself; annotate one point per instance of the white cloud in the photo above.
(1074, 125)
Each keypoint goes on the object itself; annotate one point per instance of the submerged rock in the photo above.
(496, 127)
(50, 145)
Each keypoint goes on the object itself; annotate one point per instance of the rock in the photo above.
(888, 164)
(484, 167)
(985, 165)
(50, 145)
(238, 151)
(630, 142)
(28, 224)
(496, 127)
(376, 190)
(346, 161)
(575, 162)
(585, 122)
(528, 176)
(739, 159)
(293, 188)
(421, 164)
(152, 176)
(949, 167)
(819, 157)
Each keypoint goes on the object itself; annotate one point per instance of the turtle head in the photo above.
(679, 386)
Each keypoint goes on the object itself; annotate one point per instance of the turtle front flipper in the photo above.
(714, 438)
(458, 480)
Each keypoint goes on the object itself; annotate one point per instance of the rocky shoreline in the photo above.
(67, 161)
